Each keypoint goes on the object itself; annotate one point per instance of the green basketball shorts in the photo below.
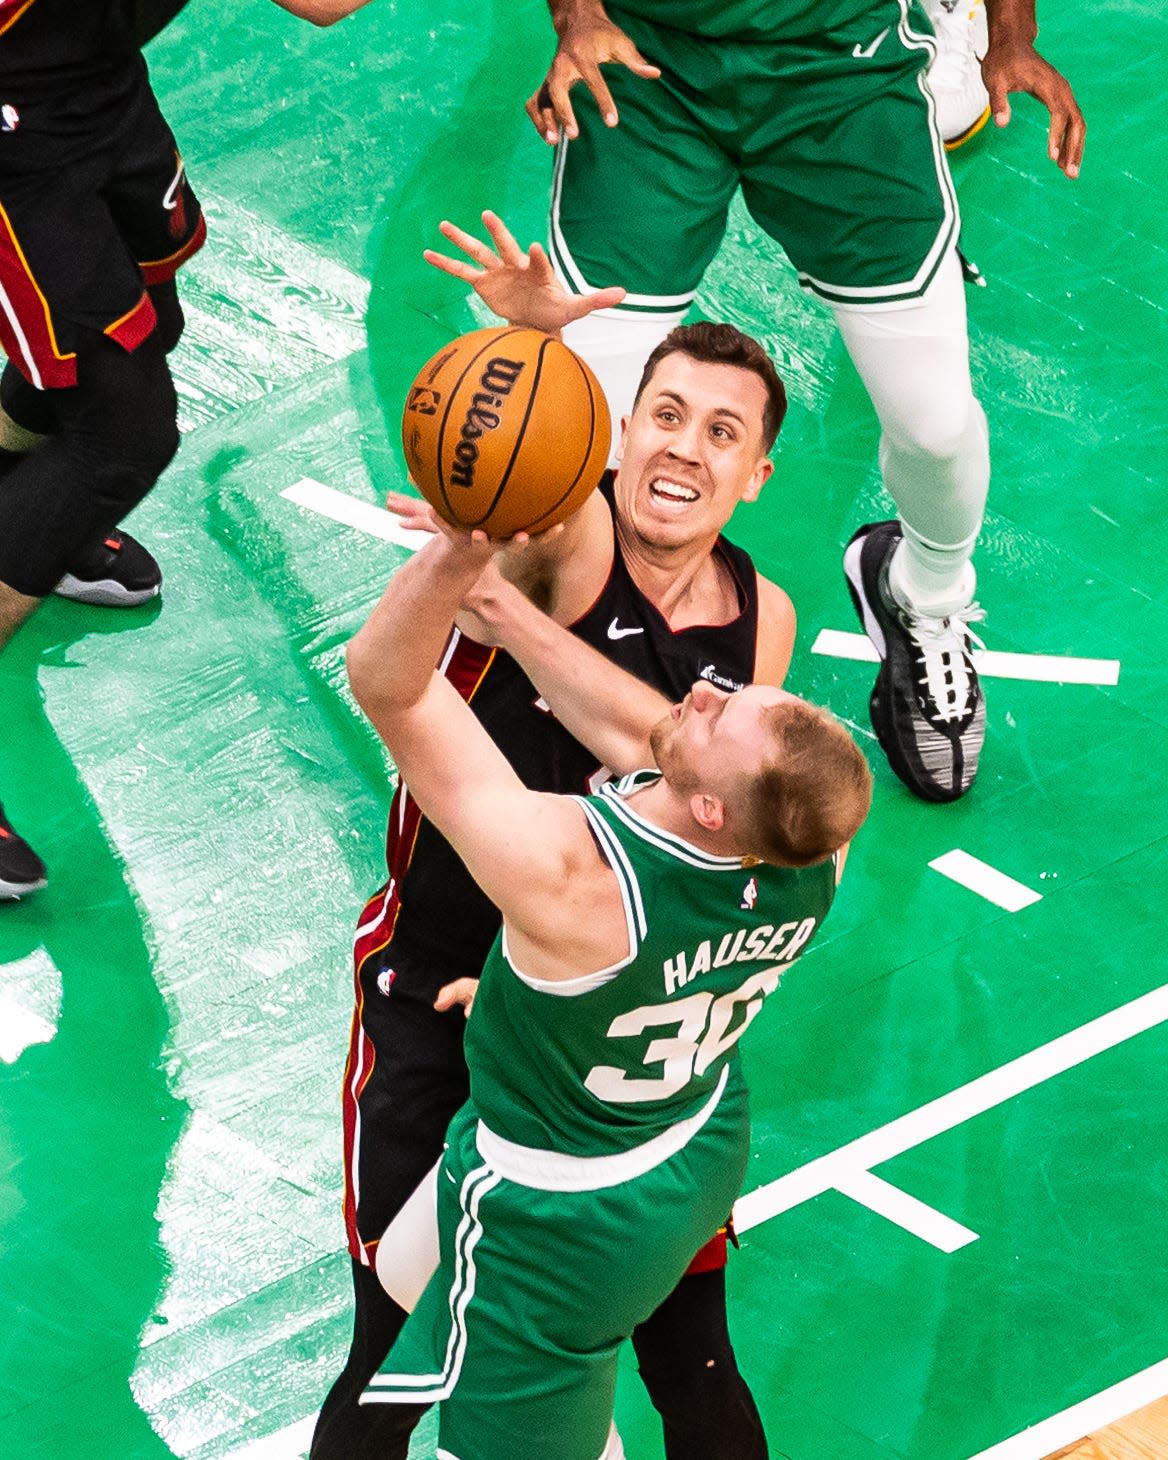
(517, 1333)
(832, 138)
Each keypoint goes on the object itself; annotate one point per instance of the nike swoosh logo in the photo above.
(865, 53)
(618, 633)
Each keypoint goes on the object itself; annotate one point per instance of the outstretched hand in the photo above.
(1015, 65)
(585, 44)
(519, 285)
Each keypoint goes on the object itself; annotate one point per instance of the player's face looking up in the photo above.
(692, 449)
(712, 739)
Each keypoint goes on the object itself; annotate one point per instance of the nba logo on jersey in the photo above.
(749, 895)
(385, 979)
(9, 118)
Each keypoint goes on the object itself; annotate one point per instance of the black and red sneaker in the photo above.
(117, 572)
(21, 870)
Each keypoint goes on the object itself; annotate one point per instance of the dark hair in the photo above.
(814, 795)
(722, 344)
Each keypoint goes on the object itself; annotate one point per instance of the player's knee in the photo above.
(942, 430)
(29, 409)
(124, 420)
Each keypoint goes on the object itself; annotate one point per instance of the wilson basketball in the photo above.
(505, 430)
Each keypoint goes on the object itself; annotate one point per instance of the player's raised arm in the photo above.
(1013, 64)
(602, 706)
(522, 847)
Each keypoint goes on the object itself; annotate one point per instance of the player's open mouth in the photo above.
(665, 490)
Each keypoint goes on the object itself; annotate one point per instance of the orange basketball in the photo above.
(505, 430)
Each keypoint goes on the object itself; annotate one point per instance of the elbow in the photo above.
(358, 670)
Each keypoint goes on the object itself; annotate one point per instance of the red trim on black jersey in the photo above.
(20, 6)
(712, 1257)
(26, 323)
(160, 271)
(135, 325)
(464, 664)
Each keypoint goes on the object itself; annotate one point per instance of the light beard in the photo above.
(663, 739)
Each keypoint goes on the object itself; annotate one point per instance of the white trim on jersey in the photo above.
(635, 924)
(21, 339)
(556, 1171)
(619, 861)
(891, 295)
(355, 1165)
(429, 1388)
(368, 927)
(570, 270)
(676, 846)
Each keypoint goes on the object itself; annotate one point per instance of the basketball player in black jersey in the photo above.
(643, 574)
(96, 217)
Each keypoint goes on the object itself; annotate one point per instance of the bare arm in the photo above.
(776, 634)
(602, 706)
(321, 12)
(1012, 64)
(530, 853)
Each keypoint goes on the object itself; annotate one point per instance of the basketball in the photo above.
(505, 430)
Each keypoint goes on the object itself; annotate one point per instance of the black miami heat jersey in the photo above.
(443, 920)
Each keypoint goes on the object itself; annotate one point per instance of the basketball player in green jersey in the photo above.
(606, 1134)
(819, 111)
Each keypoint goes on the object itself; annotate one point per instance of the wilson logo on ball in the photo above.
(505, 430)
(497, 381)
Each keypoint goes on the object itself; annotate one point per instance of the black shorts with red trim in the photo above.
(94, 206)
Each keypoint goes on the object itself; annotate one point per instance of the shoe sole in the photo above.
(104, 592)
(13, 891)
(952, 143)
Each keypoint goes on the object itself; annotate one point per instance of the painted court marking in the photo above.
(1082, 1419)
(845, 1170)
(290, 1443)
(985, 880)
(340, 507)
(994, 664)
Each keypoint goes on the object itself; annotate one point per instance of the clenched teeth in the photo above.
(672, 491)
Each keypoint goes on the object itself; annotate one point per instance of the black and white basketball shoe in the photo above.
(927, 706)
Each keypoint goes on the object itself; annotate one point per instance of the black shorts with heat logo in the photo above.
(94, 206)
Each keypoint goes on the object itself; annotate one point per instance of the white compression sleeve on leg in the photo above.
(934, 448)
(616, 343)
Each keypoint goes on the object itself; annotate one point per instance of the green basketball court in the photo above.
(958, 1194)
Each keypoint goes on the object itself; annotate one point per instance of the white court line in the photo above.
(1084, 1418)
(290, 1443)
(993, 663)
(353, 512)
(839, 1168)
(985, 880)
(906, 1211)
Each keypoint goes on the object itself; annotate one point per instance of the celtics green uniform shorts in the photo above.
(539, 1281)
(830, 135)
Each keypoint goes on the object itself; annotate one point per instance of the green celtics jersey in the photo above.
(746, 20)
(603, 1063)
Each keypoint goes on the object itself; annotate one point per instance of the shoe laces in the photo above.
(946, 672)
